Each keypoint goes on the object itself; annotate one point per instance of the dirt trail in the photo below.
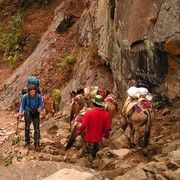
(7, 120)
(8, 124)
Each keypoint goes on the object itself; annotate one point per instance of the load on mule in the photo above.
(138, 112)
(90, 92)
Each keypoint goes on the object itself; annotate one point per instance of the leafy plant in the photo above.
(15, 140)
(8, 159)
(11, 41)
(56, 98)
(159, 103)
(69, 61)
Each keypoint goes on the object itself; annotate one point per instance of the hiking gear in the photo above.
(32, 80)
(37, 148)
(17, 129)
(97, 124)
(28, 102)
(27, 144)
(98, 100)
(24, 91)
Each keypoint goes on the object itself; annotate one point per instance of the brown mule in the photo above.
(76, 124)
(111, 106)
(90, 92)
(143, 116)
(76, 105)
(48, 105)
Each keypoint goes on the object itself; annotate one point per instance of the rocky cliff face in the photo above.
(139, 40)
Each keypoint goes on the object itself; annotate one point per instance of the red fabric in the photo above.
(79, 118)
(109, 99)
(75, 99)
(102, 90)
(137, 108)
(145, 104)
(96, 122)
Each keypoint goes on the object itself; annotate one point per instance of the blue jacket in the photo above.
(27, 103)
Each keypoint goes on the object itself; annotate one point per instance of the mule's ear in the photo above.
(107, 92)
(72, 94)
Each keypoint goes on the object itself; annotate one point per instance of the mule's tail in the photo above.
(73, 136)
(147, 127)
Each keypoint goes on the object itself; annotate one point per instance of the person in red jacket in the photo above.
(96, 122)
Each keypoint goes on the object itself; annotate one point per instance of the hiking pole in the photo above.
(16, 138)
(17, 128)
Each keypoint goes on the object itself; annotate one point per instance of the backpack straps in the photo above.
(27, 100)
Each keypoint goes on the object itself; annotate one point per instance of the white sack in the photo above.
(133, 92)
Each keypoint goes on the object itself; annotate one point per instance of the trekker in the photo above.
(96, 122)
(32, 105)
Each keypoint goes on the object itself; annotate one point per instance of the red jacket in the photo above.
(96, 122)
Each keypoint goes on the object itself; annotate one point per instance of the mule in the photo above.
(76, 105)
(111, 106)
(90, 92)
(141, 114)
(76, 124)
(48, 105)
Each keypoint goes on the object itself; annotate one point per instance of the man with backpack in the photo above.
(32, 105)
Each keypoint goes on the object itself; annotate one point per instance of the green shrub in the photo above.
(160, 102)
(8, 159)
(69, 61)
(15, 140)
(11, 41)
(56, 98)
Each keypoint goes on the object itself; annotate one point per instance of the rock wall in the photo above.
(139, 40)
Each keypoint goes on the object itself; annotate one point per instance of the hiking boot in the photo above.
(37, 147)
(27, 144)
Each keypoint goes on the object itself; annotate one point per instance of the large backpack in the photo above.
(32, 80)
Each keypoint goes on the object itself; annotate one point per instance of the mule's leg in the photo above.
(139, 135)
(132, 131)
(147, 128)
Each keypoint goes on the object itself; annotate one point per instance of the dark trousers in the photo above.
(35, 119)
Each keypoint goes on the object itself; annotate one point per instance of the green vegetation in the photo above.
(12, 41)
(22, 25)
(7, 159)
(160, 103)
(15, 140)
(68, 62)
(56, 99)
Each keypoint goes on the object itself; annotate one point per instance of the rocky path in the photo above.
(115, 161)
(8, 124)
